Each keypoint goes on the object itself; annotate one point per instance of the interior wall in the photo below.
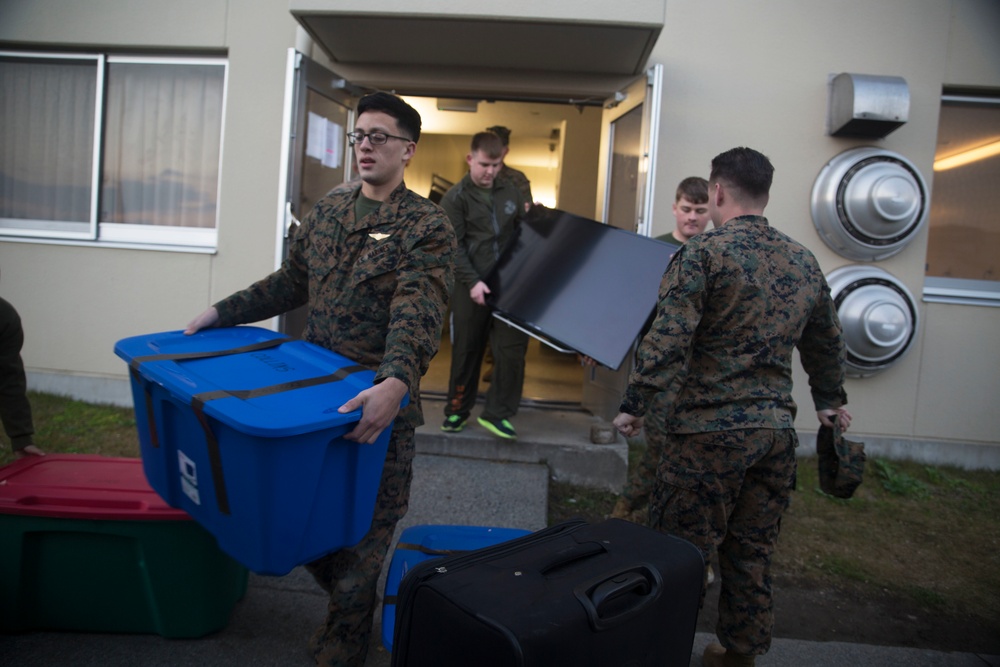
(441, 154)
(577, 187)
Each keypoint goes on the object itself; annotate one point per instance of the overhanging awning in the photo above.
(493, 57)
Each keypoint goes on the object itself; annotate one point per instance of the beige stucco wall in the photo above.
(755, 74)
(735, 73)
(77, 301)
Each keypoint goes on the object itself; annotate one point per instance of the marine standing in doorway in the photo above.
(483, 211)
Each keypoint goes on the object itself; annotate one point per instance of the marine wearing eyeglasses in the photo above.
(373, 264)
(376, 138)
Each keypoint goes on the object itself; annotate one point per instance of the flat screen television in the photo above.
(578, 284)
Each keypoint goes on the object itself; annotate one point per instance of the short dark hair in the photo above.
(488, 143)
(406, 116)
(745, 169)
(694, 189)
(502, 132)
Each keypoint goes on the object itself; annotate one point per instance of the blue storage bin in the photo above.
(239, 428)
(419, 543)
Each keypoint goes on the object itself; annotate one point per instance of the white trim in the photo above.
(126, 245)
(97, 155)
(961, 291)
(654, 78)
(288, 109)
(166, 60)
(116, 232)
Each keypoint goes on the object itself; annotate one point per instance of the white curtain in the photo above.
(46, 138)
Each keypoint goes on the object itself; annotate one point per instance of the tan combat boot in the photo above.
(717, 656)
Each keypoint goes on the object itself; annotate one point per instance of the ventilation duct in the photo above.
(878, 315)
(868, 203)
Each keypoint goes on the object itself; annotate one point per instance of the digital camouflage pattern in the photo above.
(482, 227)
(733, 305)
(728, 490)
(377, 288)
(520, 181)
(350, 575)
(377, 291)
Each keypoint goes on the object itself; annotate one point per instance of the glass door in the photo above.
(318, 112)
(628, 135)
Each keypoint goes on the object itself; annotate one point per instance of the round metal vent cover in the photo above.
(878, 314)
(868, 203)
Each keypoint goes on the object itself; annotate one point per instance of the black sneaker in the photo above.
(453, 424)
(501, 428)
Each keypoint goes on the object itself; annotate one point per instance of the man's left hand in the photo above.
(379, 407)
(840, 415)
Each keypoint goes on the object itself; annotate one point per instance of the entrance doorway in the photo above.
(557, 147)
(567, 150)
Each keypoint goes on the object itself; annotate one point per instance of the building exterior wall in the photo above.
(76, 300)
(735, 73)
(758, 77)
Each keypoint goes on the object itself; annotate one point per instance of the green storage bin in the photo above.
(87, 546)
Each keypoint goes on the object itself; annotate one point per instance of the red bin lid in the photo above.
(82, 486)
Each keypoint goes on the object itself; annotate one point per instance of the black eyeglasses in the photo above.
(377, 138)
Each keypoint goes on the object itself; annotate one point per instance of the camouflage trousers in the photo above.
(633, 504)
(351, 575)
(728, 490)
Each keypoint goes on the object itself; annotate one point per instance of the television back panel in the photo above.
(585, 285)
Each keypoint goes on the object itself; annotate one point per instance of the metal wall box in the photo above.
(864, 105)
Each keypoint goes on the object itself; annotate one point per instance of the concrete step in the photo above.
(559, 438)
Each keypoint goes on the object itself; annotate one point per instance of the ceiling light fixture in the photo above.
(966, 157)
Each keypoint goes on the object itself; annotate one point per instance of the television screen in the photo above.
(583, 285)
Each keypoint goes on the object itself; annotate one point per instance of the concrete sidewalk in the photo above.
(272, 624)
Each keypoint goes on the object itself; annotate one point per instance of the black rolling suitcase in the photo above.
(609, 594)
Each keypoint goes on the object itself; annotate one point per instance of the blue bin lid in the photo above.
(277, 387)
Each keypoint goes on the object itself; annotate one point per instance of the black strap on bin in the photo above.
(198, 400)
(133, 368)
(214, 455)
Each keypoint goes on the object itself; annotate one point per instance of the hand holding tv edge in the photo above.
(576, 283)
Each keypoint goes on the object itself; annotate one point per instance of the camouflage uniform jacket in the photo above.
(481, 228)
(377, 288)
(733, 304)
(519, 180)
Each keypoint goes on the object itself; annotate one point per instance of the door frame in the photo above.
(603, 387)
(304, 76)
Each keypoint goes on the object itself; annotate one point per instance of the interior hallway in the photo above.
(551, 378)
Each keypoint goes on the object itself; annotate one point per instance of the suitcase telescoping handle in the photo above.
(613, 599)
(571, 554)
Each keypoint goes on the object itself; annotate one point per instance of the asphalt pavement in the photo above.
(271, 625)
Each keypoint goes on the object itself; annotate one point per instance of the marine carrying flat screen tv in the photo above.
(578, 284)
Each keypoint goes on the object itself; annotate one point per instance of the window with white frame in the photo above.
(963, 249)
(111, 149)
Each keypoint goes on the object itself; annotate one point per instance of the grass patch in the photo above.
(928, 533)
(66, 426)
(899, 482)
